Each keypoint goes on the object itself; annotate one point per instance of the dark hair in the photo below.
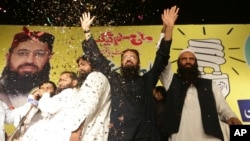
(83, 57)
(162, 90)
(50, 82)
(132, 50)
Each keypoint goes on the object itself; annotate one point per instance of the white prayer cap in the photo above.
(187, 50)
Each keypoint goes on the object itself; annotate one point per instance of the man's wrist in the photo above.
(86, 31)
(88, 35)
(77, 131)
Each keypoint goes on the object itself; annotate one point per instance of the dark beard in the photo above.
(190, 75)
(81, 78)
(12, 83)
(130, 71)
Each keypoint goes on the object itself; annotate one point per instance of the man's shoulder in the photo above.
(68, 90)
(97, 75)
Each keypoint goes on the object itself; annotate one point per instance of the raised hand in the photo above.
(234, 121)
(169, 16)
(86, 21)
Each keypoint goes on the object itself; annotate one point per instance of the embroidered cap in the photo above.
(26, 35)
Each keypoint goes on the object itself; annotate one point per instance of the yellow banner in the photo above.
(224, 52)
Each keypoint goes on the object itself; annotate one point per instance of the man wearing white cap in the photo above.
(195, 107)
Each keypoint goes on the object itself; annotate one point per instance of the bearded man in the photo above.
(132, 109)
(27, 65)
(194, 103)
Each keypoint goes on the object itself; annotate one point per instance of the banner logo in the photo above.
(244, 106)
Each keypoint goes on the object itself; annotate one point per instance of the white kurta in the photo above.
(92, 104)
(191, 123)
(50, 107)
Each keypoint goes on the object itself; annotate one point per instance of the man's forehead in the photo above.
(65, 76)
(46, 85)
(129, 53)
(32, 45)
(187, 54)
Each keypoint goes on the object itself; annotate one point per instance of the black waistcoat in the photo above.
(174, 103)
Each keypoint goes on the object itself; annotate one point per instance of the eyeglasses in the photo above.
(26, 53)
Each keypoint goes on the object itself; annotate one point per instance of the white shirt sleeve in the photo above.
(159, 41)
(52, 105)
(223, 109)
(167, 76)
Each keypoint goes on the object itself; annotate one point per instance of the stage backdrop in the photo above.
(230, 67)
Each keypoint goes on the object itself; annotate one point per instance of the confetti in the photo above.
(122, 12)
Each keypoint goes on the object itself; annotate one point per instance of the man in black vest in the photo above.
(195, 108)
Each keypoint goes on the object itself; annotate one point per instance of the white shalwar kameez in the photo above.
(90, 104)
(191, 128)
